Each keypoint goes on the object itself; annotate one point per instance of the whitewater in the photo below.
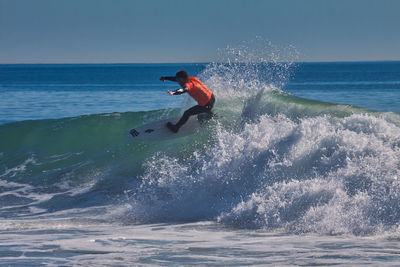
(275, 179)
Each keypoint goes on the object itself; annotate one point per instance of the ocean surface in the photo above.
(300, 167)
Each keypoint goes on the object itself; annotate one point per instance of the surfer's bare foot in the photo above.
(172, 127)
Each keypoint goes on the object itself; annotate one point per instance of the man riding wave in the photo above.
(196, 89)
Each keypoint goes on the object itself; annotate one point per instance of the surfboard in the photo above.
(158, 130)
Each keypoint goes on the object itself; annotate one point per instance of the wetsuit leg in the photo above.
(190, 112)
(196, 110)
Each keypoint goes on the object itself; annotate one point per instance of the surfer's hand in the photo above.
(162, 78)
(170, 92)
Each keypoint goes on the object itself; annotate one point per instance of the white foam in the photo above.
(278, 164)
(12, 172)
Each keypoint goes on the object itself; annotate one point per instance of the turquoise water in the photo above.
(372, 85)
(300, 167)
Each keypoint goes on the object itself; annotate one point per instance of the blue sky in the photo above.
(106, 31)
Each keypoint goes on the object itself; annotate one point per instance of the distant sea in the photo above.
(300, 167)
(41, 91)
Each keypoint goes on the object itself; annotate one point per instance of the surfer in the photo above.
(196, 89)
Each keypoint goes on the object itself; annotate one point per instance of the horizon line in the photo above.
(200, 62)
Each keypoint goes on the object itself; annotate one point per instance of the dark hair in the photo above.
(182, 74)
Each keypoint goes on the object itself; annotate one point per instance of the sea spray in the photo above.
(279, 162)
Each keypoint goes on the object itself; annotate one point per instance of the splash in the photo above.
(277, 161)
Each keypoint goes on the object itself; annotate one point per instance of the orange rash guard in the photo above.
(198, 91)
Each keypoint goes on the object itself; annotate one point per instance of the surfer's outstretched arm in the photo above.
(178, 91)
(168, 78)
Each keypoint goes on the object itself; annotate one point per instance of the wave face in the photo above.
(269, 161)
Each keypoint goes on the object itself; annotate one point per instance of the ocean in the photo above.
(300, 167)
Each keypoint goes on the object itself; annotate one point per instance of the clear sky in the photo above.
(106, 31)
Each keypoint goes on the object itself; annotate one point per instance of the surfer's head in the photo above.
(182, 77)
